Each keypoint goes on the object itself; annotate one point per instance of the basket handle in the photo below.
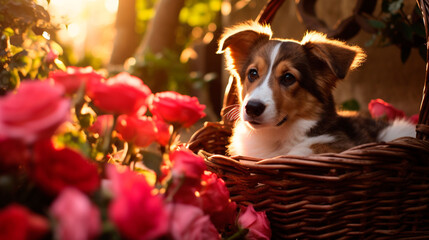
(231, 98)
(422, 126)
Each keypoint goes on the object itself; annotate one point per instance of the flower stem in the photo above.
(108, 139)
(240, 234)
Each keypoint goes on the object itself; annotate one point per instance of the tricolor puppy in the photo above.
(285, 88)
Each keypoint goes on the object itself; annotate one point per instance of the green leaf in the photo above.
(350, 105)
(75, 140)
(86, 120)
(152, 161)
(377, 24)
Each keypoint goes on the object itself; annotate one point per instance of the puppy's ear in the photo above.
(339, 56)
(237, 42)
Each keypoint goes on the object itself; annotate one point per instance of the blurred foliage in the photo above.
(89, 59)
(197, 19)
(24, 51)
(350, 105)
(395, 26)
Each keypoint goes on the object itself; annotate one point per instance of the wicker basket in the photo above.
(372, 191)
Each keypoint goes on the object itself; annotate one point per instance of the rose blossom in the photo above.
(215, 201)
(135, 210)
(18, 223)
(256, 222)
(14, 153)
(56, 169)
(137, 130)
(101, 125)
(121, 94)
(187, 163)
(381, 109)
(175, 108)
(162, 132)
(188, 222)
(74, 77)
(77, 217)
(34, 111)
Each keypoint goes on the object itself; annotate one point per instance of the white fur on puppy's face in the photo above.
(262, 93)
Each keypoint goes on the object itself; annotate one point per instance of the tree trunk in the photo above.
(126, 40)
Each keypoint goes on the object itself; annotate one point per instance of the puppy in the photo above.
(285, 91)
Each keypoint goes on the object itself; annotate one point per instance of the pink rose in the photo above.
(162, 132)
(177, 109)
(135, 210)
(101, 125)
(77, 217)
(188, 222)
(14, 154)
(34, 111)
(74, 77)
(137, 130)
(187, 163)
(256, 222)
(18, 223)
(121, 94)
(55, 169)
(381, 109)
(216, 201)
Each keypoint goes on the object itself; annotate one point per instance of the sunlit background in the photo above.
(85, 25)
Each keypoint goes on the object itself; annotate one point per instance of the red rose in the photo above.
(14, 153)
(162, 132)
(18, 223)
(56, 169)
(122, 94)
(216, 202)
(189, 222)
(256, 222)
(135, 210)
(175, 108)
(414, 118)
(74, 77)
(381, 109)
(35, 111)
(137, 130)
(187, 163)
(77, 217)
(101, 125)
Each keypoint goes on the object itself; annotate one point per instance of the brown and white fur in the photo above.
(285, 91)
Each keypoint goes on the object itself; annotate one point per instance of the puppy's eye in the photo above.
(287, 79)
(252, 75)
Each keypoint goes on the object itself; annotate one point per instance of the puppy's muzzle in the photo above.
(254, 108)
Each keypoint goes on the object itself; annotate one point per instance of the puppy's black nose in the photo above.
(254, 108)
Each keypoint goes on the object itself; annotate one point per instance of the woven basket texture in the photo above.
(372, 191)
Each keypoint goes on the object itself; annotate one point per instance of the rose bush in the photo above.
(177, 109)
(35, 111)
(55, 169)
(379, 109)
(109, 166)
(121, 94)
(256, 222)
(73, 78)
(17, 222)
(76, 216)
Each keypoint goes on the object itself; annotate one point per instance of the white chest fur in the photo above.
(274, 141)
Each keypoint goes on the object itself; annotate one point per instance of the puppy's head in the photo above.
(281, 80)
